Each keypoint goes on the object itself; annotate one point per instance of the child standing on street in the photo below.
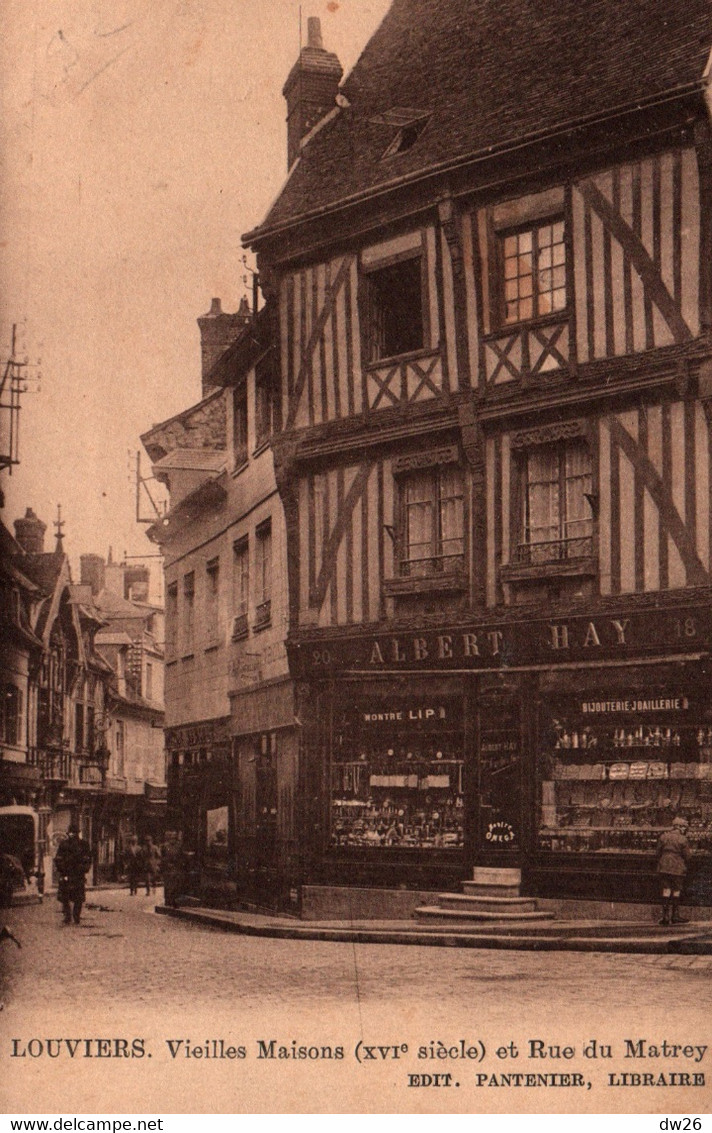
(673, 856)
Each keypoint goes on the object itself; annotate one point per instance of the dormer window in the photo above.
(409, 124)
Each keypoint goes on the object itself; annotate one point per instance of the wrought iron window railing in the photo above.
(431, 566)
(263, 614)
(555, 550)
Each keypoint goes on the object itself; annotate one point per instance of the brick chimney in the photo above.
(92, 572)
(218, 330)
(310, 89)
(136, 583)
(29, 532)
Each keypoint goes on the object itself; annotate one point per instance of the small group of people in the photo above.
(142, 864)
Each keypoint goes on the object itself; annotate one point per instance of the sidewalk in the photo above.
(564, 935)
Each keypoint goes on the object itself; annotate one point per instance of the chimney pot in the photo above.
(314, 32)
(29, 533)
(218, 330)
(92, 572)
(310, 89)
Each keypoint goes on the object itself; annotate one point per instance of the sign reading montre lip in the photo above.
(512, 644)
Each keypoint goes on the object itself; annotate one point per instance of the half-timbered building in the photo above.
(492, 267)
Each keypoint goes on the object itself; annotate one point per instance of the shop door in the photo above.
(266, 802)
(498, 796)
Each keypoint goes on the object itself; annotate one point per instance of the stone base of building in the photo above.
(339, 903)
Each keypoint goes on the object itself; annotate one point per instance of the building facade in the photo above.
(493, 339)
(80, 742)
(131, 641)
(230, 729)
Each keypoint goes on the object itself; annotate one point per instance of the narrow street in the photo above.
(128, 973)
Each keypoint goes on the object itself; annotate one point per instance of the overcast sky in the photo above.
(140, 139)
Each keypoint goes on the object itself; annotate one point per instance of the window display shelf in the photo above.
(613, 773)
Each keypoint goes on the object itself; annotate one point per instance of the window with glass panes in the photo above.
(557, 517)
(264, 404)
(239, 426)
(212, 597)
(171, 620)
(534, 270)
(263, 573)
(432, 529)
(240, 586)
(10, 714)
(188, 612)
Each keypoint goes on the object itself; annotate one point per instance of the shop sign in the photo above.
(500, 832)
(374, 715)
(205, 734)
(650, 704)
(424, 714)
(515, 644)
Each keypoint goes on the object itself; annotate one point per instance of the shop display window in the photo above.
(614, 772)
(397, 777)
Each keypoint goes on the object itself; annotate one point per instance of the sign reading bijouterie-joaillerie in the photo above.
(641, 633)
(649, 704)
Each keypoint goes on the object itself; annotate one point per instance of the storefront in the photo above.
(264, 852)
(200, 797)
(561, 747)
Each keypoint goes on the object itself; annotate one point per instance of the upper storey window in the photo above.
(239, 426)
(533, 271)
(264, 405)
(432, 530)
(557, 523)
(395, 309)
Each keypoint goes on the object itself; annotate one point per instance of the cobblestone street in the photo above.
(127, 972)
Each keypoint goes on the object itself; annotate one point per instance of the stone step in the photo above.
(486, 903)
(477, 916)
(474, 889)
(579, 936)
(505, 877)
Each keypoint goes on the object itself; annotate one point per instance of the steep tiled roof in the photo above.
(200, 426)
(44, 569)
(490, 73)
(193, 459)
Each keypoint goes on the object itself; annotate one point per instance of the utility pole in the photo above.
(15, 380)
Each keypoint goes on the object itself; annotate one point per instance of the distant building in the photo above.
(132, 641)
(67, 700)
(20, 653)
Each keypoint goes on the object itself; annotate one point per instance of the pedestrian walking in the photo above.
(151, 863)
(133, 864)
(12, 877)
(673, 855)
(73, 860)
(173, 865)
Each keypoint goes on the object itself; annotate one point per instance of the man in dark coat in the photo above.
(72, 861)
(673, 856)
